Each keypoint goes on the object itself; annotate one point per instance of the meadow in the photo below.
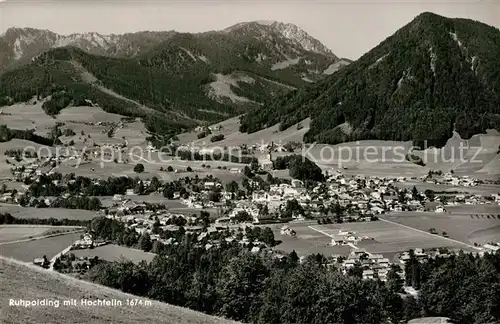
(461, 227)
(10, 233)
(28, 251)
(45, 213)
(390, 238)
(112, 252)
(384, 237)
(306, 241)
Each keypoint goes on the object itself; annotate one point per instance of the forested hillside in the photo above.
(433, 76)
(187, 79)
(230, 281)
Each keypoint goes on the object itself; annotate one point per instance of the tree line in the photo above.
(8, 219)
(230, 281)
(6, 134)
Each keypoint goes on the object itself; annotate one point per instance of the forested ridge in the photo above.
(431, 77)
(171, 80)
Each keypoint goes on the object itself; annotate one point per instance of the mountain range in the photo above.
(434, 76)
(168, 78)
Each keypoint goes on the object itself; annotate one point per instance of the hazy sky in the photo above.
(348, 28)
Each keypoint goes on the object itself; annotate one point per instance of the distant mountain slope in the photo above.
(432, 76)
(19, 45)
(285, 42)
(173, 79)
(29, 282)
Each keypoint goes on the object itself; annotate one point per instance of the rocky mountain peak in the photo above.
(289, 31)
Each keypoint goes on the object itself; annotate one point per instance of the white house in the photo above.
(266, 162)
(368, 274)
(440, 209)
(491, 248)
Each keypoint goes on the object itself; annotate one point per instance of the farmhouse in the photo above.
(286, 230)
(491, 248)
(42, 262)
(368, 274)
(266, 162)
(7, 197)
(215, 127)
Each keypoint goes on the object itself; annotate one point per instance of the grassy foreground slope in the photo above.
(29, 282)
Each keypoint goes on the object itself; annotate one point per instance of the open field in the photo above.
(492, 168)
(15, 144)
(27, 116)
(483, 189)
(27, 251)
(43, 213)
(234, 138)
(307, 241)
(28, 282)
(485, 235)
(371, 157)
(460, 227)
(96, 170)
(12, 184)
(463, 156)
(153, 163)
(9, 233)
(152, 199)
(87, 114)
(112, 252)
(388, 239)
(326, 156)
(468, 210)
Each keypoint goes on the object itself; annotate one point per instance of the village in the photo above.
(210, 208)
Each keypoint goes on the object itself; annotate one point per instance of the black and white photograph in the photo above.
(249, 161)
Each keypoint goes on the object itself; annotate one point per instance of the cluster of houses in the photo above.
(86, 242)
(359, 196)
(212, 128)
(451, 179)
(30, 171)
(376, 266)
(169, 222)
(423, 255)
(490, 248)
(347, 238)
(373, 265)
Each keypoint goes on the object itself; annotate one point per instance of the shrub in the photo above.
(414, 159)
(139, 168)
(202, 134)
(217, 138)
(69, 132)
